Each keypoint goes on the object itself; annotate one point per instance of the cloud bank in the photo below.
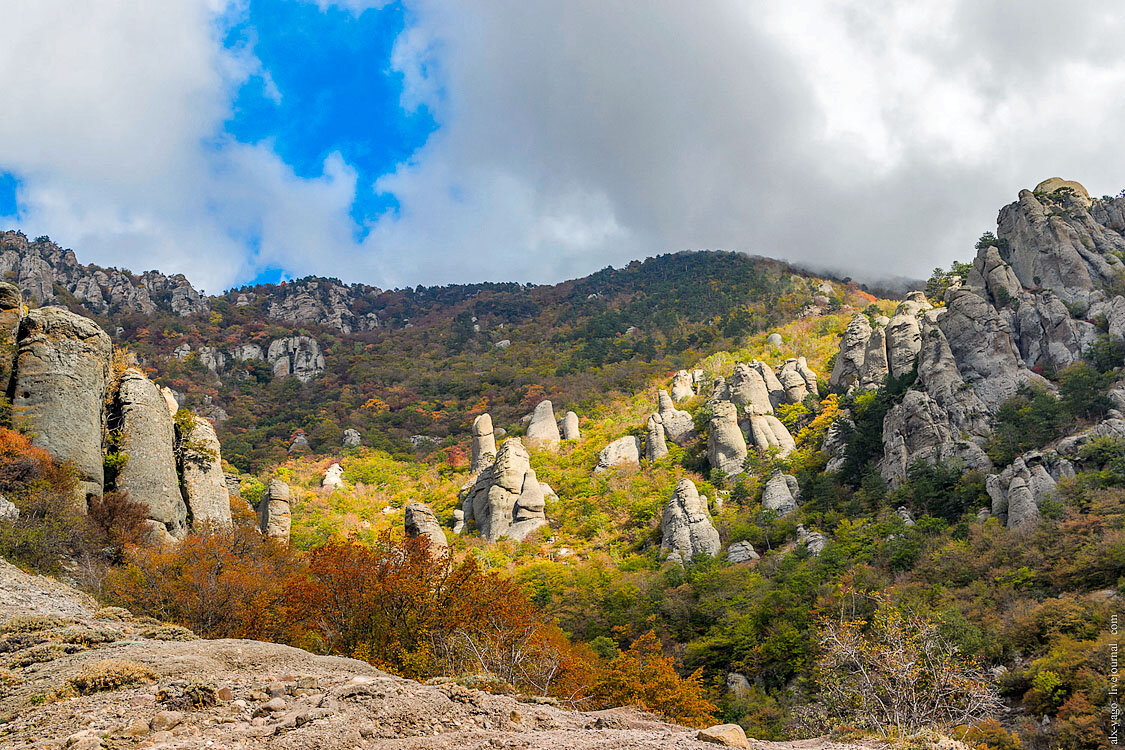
(871, 138)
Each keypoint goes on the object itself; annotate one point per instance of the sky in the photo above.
(429, 142)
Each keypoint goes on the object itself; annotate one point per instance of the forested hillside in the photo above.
(779, 502)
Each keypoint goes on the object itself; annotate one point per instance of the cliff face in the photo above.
(1030, 304)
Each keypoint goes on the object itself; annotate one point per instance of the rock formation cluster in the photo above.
(61, 386)
(506, 499)
(1025, 305)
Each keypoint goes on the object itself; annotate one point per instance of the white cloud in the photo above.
(115, 112)
(873, 137)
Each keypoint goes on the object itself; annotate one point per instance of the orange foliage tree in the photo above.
(643, 676)
(222, 583)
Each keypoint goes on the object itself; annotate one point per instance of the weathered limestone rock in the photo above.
(679, 427)
(62, 371)
(768, 432)
(419, 520)
(810, 377)
(148, 437)
(299, 356)
(8, 510)
(204, 484)
(352, 438)
(245, 352)
(796, 388)
(10, 312)
(904, 513)
(919, 429)
(1051, 184)
(274, 517)
(333, 477)
(655, 444)
(213, 359)
(781, 494)
(726, 445)
(506, 499)
(853, 348)
(682, 386)
(568, 427)
(741, 552)
(727, 735)
(1054, 242)
(1018, 491)
(543, 430)
(686, 525)
(1046, 335)
(983, 347)
(484, 443)
(904, 334)
(747, 389)
(773, 385)
(814, 541)
(737, 684)
(875, 362)
(625, 451)
(458, 521)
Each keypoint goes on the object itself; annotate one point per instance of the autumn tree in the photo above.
(897, 674)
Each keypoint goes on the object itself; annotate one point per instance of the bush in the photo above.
(1030, 419)
(109, 674)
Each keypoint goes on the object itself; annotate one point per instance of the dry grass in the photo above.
(109, 674)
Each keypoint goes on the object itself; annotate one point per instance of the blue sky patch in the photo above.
(8, 187)
(327, 86)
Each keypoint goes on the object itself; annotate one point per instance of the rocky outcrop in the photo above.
(679, 427)
(568, 427)
(655, 444)
(793, 382)
(904, 334)
(419, 520)
(848, 370)
(686, 525)
(1019, 490)
(506, 499)
(773, 384)
(625, 451)
(352, 438)
(484, 443)
(325, 302)
(59, 387)
(919, 429)
(741, 552)
(726, 445)
(813, 541)
(274, 518)
(42, 267)
(836, 442)
(747, 389)
(768, 432)
(146, 435)
(781, 494)
(904, 513)
(1053, 241)
(204, 484)
(682, 386)
(247, 352)
(299, 356)
(333, 477)
(299, 445)
(543, 430)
